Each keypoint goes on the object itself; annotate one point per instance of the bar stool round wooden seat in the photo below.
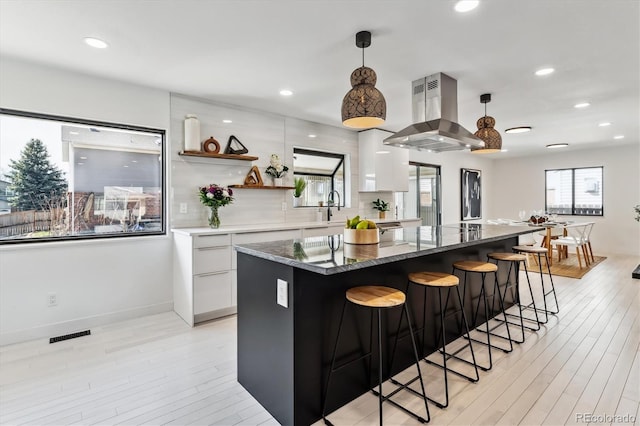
(440, 281)
(378, 298)
(483, 268)
(539, 252)
(515, 260)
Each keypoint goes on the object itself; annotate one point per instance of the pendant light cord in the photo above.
(363, 57)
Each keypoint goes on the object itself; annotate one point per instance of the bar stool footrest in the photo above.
(389, 400)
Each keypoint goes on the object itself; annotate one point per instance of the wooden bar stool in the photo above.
(377, 298)
(439, 281)
(540, 251)
(483, 268)
(515, 260)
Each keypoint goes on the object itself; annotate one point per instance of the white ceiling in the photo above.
(243, 52)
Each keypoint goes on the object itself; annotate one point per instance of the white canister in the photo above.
(191, 133)
(319, 216)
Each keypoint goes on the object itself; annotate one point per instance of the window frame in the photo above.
(573, 190)
(341, 157)
(109, 125)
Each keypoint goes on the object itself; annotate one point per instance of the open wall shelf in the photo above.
(215, 155)
(260, 187)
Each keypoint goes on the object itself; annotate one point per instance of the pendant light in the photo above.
(486, 132)
(363, 106)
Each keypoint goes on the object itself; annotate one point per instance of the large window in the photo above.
(574, 191)
(324, 172)
(64, 178)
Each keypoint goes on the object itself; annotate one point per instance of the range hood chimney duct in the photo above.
(435, 118)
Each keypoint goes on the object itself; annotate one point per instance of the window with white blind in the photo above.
(574, 191)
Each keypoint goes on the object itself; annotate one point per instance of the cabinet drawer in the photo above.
(211, 240)
(326, 230)
(211, 292)
(211, 259)
(261, 237)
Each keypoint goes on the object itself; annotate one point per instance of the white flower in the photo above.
(275, 160)
(279, 168)
(209, 195)
(225, 193)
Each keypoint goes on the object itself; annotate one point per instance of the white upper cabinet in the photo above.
(382, 167)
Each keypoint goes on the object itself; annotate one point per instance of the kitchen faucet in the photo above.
(330, 201)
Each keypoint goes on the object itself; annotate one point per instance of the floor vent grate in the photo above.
(69, 336)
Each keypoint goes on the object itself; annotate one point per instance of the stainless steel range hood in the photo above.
(435, 114)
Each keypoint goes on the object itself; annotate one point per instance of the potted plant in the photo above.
(382, 207)
(276, 170)
(299, 184)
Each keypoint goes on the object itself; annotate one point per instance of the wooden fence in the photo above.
(25, 222)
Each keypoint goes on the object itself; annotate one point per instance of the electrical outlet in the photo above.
(52, 299)
(183, 208)
(284, 206)
(283, 295)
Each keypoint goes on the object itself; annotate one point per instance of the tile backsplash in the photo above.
(263, 134)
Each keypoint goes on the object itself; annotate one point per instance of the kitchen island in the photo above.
(291, 292)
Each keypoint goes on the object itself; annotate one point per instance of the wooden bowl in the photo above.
(362, 236)
(360, 251)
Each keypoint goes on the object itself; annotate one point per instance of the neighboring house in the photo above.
(5, 192)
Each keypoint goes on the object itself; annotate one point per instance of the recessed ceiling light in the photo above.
(467, 146)
(382, 152)
(618, 137)
(312, 136)
(134, 161)
(504, 150)
(83, 158)
(125, 166)
(557, 145)
(582, 105)
(96, 42)
(605, 124)
(286, 92)
(79, 164)
(227, 121)
(544, 71)
(73, 133)
(466, 5)
(521, 129)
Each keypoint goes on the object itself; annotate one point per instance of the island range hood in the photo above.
(435, 118)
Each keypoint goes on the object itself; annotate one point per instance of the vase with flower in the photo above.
(215, 196)
(276, 170)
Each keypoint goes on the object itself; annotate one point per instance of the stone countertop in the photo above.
(329, 255)
(238, 229)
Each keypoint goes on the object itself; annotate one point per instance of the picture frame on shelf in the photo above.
(470, 194)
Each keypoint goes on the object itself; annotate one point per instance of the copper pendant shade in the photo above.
(363, 106)
(486, 132)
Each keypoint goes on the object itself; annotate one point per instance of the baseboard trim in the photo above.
(75, 325)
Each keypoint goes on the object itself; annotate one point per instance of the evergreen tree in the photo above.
(34, 180)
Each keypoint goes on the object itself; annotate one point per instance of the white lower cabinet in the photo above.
(204, 272)
(212, 291)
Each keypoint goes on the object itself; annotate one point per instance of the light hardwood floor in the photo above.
(157, 370)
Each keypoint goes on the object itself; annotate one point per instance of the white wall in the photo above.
(95, 281)
(450, 164)
(263, 134)
(518, 184)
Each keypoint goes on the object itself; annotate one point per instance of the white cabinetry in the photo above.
(202, 277)
(382, 167)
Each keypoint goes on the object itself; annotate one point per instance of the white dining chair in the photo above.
(575, 238)
(587, 239)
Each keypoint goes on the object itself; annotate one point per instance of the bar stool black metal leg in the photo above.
(380, 364)
(553, 290)
(333, 364)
